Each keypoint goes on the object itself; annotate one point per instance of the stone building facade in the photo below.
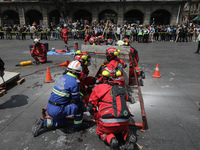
(119, 11)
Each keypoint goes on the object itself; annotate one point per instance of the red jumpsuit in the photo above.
(39, 51)
(87, 37)
(106, 127)
(118, 64)
(64, 34)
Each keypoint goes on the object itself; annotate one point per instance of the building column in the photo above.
(45, 16)
(21, 15)
(95, 14)
(147, 15)
(120, 19)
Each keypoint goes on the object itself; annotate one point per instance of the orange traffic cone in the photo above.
(48, 76)
(65, 63)
(156, 74)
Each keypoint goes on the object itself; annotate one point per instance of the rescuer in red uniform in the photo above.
(87, 34)
(39, 50)
(93, 41)
(86, 82)
(112, 115)
(135, 57)
(64, 35)
(116, 63)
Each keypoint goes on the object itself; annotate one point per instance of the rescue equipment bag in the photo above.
(118, 107)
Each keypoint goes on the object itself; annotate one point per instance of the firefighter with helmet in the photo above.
(111, 119)
(86, 82)
(115, 62)
(64, 35)
(93, 41)
(39, 50)
(87, 34)
(65, 100)
(109, 41)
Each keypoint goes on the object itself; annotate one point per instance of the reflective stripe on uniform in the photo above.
(60, 93)
(115, 120)
(120, 78)
(78, 122)
(75, 93)
(49, 122)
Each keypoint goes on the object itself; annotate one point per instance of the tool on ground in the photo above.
(25, 63)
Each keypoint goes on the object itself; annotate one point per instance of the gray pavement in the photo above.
(171, 102)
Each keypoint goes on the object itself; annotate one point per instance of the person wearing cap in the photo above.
(107, 104)
(39, 50)
(65, 100)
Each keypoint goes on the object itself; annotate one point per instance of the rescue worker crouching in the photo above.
(86, 82)
(65, 100)
(115, 62)
(111, 119)
(39, 50)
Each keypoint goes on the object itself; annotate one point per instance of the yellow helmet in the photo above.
(105, 73)
(78, 52)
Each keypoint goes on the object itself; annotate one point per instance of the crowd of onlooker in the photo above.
(140, 33)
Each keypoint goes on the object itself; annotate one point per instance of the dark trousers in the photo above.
(198, 47)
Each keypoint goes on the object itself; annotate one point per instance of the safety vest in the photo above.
(140, 32)
(145, 31)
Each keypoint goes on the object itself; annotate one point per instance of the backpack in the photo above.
(1, 64)
(118, 107)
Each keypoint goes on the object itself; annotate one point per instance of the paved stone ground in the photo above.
(171, 102)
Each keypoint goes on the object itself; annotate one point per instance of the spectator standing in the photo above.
(1, 32)
(151, 34)
(198, 48)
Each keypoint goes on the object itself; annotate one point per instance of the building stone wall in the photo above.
(95, 9)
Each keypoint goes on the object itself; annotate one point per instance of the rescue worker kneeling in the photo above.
(113, 114)
(39, 50)
(65, 100)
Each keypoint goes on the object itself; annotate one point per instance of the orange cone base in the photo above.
(156, 76)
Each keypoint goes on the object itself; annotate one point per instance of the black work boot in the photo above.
(130, 141)
(114, 144)
(39, 124)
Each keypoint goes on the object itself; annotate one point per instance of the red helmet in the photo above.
(100, 39)
(126, 41)
(93, 40)
(111, 53)
(109, 42)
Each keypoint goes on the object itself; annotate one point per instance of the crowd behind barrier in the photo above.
(77, 30)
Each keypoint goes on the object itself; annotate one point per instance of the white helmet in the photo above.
(36, 40)
(120, 43)
(75, 66)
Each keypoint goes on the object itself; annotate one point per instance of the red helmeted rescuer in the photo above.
(116, 63)
(87, 82)
(64, 35)
(39, 50)
(87, 34)
(112, 115)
